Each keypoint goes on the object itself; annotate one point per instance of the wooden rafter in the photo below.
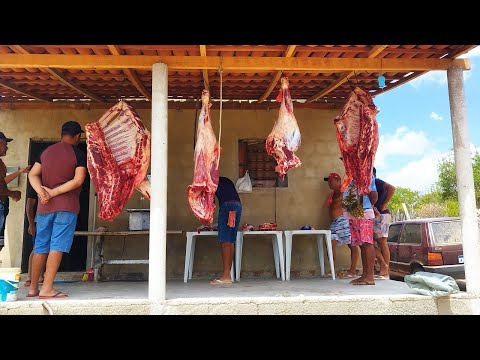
(57, 75)
(231, 64)
(460, 51)
(203, 52)
(13, 88)
(288, 53)
(376, 50)
(132, 76)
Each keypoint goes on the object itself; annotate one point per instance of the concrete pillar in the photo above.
(159, 165)
(466, 190)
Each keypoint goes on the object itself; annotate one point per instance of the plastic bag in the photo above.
(432, 284)
(244, 184)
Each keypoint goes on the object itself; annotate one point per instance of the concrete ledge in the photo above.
(314, 296)
(321, 305)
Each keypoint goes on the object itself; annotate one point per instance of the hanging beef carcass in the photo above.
(357, 137)
(205, 177)
(285, 137)
(118, 157)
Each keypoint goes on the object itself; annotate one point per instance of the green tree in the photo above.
(403, 195)
(447, 181)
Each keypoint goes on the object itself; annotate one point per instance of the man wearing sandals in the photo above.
(5, 193)
(229, 214)
(381, 224)
(57, 177)
(361, 229)
(31, 211)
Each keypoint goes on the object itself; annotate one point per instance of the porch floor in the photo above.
(249, 296)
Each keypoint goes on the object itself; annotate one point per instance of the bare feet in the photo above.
(384, 273)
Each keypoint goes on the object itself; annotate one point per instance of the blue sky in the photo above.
(415, 128)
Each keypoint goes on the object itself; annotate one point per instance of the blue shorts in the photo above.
(340, 229)
(225, 232)
(55, 232)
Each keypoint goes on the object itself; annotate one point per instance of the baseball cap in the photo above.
(3, 137)
(333, 175)
(72, 128)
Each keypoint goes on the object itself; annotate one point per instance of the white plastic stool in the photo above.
(277, 251)
(321, 235)
(190, 253)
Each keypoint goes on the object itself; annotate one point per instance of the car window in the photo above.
(411, 234)
(393, 232)
(448, 232)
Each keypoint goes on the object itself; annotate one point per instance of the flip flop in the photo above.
(362, 282)
(220, 282)
(346, 276)
(34, 295)
(58, 295)
(381, 277)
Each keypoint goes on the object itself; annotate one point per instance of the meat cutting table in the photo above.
(98, 251)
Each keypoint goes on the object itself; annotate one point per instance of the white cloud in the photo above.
(418, 174)
(379, 125)
(436, 77)
(421, 174)
(474, 149)
(403, 142)
(435, 116)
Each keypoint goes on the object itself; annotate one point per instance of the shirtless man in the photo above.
(339, 227)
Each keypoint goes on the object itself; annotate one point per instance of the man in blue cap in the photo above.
(5, 193)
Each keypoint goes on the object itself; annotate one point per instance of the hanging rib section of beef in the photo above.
(201, 193)
(357, 137)
(118, 157)
(285, 137)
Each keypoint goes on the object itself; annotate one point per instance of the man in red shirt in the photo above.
(57, 178)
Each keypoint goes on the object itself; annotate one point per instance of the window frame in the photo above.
(404, 230)
(252, 156)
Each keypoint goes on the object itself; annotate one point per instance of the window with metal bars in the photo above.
(252, 156)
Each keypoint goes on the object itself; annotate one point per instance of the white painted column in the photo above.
(159, 165)
(466, 190)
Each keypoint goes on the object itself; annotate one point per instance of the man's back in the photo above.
(59, 162)
(382, 195)
(226, 190)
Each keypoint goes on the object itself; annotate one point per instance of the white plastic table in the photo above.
(190, 252)
(277, 250)
(321, 235)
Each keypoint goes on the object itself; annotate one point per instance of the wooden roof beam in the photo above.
(13, 88)
(203, 52)
(288, 53)
(57, 75)
(376, 50)
(131, 75)
(460, 51)
(229, 64)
